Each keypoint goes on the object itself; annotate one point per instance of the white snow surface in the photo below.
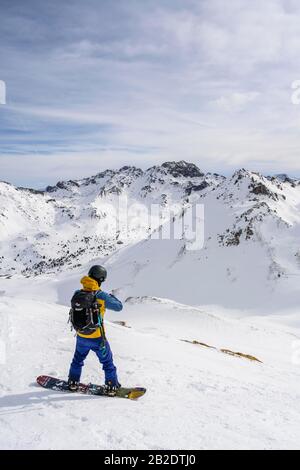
(240, 293)
(197, 398)
(250, 256)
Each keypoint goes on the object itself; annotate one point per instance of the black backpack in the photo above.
(85, 314)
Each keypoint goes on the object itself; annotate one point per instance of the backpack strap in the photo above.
(100, 319)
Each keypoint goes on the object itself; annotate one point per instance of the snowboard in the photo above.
(59, 385)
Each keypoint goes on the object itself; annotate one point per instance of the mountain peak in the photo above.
(241, 173)
(131, 170)
(284, 178)
(180, 169)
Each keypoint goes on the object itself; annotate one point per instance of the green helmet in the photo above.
(98, 273)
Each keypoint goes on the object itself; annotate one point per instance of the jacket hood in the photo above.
(89, 284)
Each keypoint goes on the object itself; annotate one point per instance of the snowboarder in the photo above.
(86, 315)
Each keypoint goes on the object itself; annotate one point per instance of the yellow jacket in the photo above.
(91, 285)
(104, 300)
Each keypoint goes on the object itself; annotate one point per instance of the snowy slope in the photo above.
(250, 257)
(74, 221)
(197, 398)
(239, 293)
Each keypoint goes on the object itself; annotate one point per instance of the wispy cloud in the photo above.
(235, 101)
(93, 84)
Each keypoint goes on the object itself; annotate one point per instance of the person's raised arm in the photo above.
(111, 302)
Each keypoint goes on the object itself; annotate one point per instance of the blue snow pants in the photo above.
(104, 354)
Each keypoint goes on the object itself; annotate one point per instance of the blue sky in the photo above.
(99, 83)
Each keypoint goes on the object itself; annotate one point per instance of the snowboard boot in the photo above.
(73, 385)
(111, 388)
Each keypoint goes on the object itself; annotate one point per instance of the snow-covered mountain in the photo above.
(251, 247)
(213, 334)
(68, 224)
(250, 256)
